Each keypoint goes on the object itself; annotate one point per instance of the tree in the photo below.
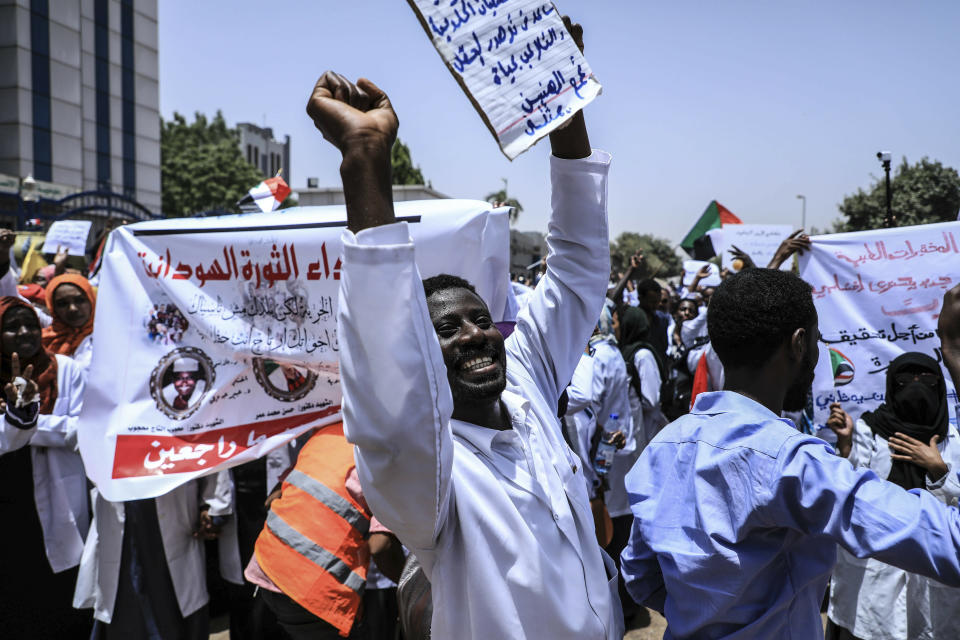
(658, 253)
(404, 172)
(503, 198)
(201, 166)
(922, 193)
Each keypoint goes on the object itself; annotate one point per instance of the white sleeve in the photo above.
(614, 397)
(864, 445)
(13, 438)
(60, 430)
(8, 283)
(396, 398)
(216, 491)
(650, 382)
(947, 488)
(563, 309)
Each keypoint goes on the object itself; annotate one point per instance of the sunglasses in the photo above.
(927, 378)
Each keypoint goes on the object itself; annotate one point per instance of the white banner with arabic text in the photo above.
(878, 294)
(216, 338)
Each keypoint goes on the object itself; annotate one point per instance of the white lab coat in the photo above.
(598, 389)
(500, 520)
(178, 513)
(59, 481)
(877, 601)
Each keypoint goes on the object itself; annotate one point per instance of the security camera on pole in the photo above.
(884, 158)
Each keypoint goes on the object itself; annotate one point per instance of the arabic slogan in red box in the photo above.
(149, 455)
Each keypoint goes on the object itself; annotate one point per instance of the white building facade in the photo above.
(260, 149)
(79, 95)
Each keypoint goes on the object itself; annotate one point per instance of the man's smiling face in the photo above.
(471, 344)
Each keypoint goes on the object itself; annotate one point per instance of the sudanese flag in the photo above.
(268, 195)
(697, 243)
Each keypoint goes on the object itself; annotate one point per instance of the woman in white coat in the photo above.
(907, 440)
(43, 488)
(144, 570)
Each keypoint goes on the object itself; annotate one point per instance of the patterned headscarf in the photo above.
(60, 337)
(44, 363)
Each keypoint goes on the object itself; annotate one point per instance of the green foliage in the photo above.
(503, 198)
(404, 171)
(201, 166)
(923, 193)
(657, 252)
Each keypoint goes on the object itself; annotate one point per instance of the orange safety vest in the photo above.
(314, 545)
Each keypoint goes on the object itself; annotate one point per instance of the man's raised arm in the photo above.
(554, 327)
(359, 120)
(396, 401)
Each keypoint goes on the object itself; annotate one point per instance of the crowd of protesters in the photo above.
(622, 445)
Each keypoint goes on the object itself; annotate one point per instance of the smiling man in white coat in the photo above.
(459, 449)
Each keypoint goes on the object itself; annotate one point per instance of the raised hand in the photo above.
(841, 424)
(25, 390)
(796, 242)
(359, 120)
(746, 262)
(926, 455)
(352, 116)
(60, 260)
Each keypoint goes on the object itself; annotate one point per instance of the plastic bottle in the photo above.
(603, 459)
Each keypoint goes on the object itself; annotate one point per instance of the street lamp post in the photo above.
(884, 157)
(29, 195)
(803, 218)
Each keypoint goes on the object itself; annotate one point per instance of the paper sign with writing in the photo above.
(216, 338)
(691, 267)
(516, 62)
(69, 234)
(878, 295)
(759, 241)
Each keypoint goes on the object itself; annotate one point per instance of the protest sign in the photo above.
(759, 241)
(516, 62)
(878, 295)
(69, 234)
(216, 338)
(690, 269)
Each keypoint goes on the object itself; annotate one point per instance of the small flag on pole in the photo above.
(268, 195)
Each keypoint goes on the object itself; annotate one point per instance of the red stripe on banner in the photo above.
(152, 455)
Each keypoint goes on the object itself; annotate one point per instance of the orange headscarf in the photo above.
(44, 363)
(60, 337)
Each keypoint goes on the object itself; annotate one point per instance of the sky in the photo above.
(749, 103)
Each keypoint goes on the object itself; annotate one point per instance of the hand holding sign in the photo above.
(797, 241)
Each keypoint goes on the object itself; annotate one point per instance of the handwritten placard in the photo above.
(68, 234)
(759, 241)
(878, 295)
(516, 62)
(217, 337)
(690, 269)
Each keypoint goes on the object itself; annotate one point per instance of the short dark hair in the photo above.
(444, 281)
(753, 312)
(647, 286)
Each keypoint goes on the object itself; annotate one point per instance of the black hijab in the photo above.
(915, 410)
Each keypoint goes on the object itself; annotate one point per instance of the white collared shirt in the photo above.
(500, 520)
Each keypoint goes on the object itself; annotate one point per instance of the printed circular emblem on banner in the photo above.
(180, 381)
(284, 382)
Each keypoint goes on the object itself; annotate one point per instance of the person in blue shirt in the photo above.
(737, 514)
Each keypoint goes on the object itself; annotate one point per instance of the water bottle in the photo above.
(603, 459)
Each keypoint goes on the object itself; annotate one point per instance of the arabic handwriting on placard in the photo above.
(911, 334)
(878, 250)
(903, 283)
(838, 395)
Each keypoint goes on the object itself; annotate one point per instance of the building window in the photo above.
(40, 75)
(249, 154)
(128, 98)
(101, 47)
